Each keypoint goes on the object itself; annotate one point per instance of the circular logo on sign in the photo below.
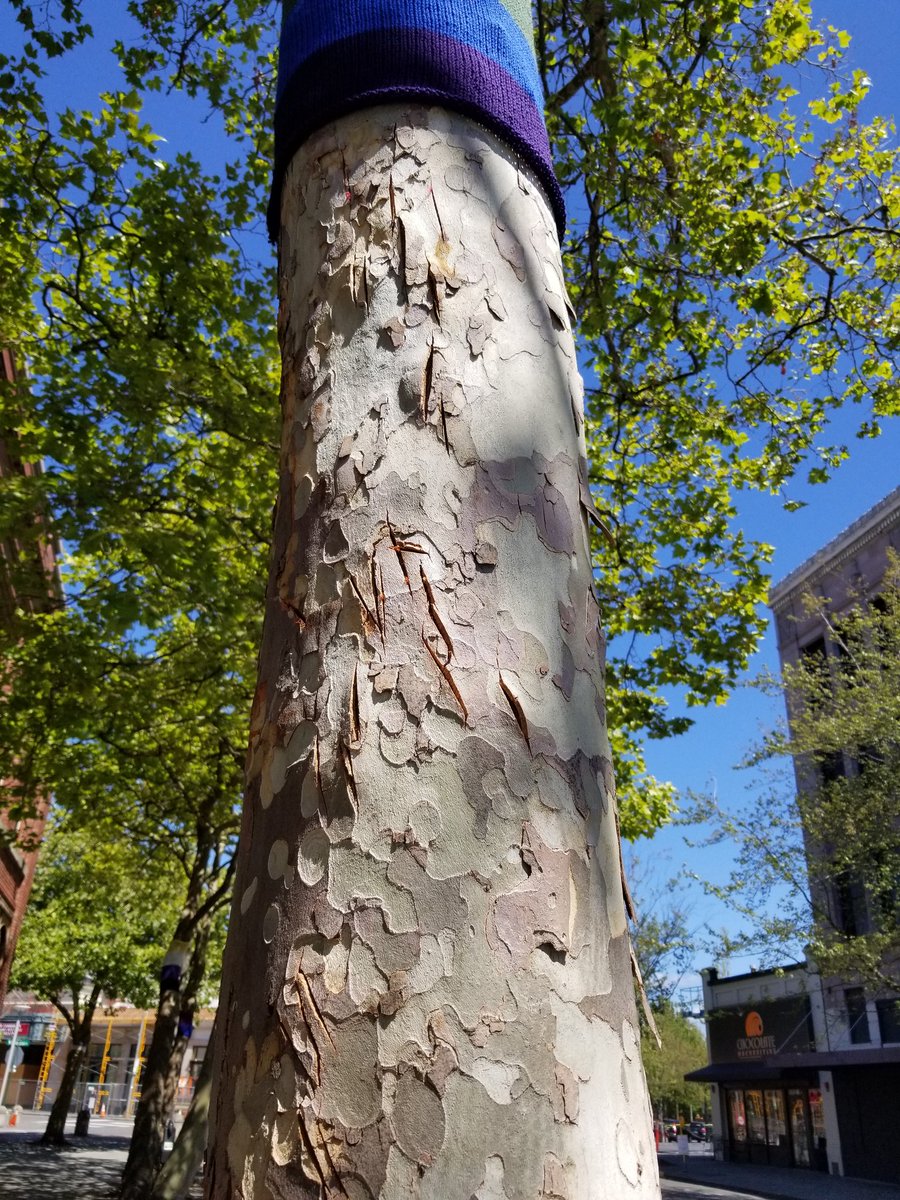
(753, 1025)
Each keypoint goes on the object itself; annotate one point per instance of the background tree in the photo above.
(733, 265)
(663, 935)
(665, 943)
(97, 919)
(139, 742)
(681, 1048)
(809, 848)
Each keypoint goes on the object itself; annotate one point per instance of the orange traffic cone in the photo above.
(13, 1117)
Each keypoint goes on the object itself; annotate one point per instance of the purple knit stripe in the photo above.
(394, 65)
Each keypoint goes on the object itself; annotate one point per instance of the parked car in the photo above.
(671, 1128)
(698, 1131)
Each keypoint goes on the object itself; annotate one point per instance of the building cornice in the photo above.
(872, 524)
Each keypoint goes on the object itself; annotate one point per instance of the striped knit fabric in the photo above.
(473, 56)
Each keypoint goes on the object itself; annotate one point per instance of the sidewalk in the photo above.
(85, 1169)
(779, 1183)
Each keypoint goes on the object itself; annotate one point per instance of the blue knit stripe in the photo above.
(486, 25)
(474, 57)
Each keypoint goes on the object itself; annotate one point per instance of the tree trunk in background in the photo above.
(79, 1022)
(159, 1079)
(427, 987)
(179, 1170)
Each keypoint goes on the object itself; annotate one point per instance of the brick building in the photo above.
(28, 582)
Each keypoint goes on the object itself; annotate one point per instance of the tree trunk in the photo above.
(181, 1167)
(177, 1006)
(79, 1023)
(427, 988)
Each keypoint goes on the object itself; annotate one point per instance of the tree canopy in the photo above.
(99, 915)
(732, 259)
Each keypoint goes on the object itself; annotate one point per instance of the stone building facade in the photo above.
(805, 1068)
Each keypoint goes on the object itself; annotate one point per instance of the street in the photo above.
(677, 1189)
(89, 1168)
(28, 1172)
(35, 1122)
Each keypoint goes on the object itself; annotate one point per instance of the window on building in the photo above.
(814, 657)
(851, 910)
(888, 1019)
(737, 1116)
(885, 889)
(814, 652)
(857, 1016)
(833, 766)
(756, 1117)
(776, 1123)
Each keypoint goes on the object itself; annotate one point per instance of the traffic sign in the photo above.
(15, 1058)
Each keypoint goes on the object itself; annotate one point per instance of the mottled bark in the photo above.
(427, 990)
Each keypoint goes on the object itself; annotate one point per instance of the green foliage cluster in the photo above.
(98, 916)
(683, 1049)
(732, 257)
(145, 326)
(828, 850)
(734, 262)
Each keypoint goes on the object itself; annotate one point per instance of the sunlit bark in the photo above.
(427, 989)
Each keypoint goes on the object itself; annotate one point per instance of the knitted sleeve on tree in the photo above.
(473, 56)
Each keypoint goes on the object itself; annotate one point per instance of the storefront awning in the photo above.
(788, 1066)
(736, 1072)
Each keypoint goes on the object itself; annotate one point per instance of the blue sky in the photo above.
(707, 755)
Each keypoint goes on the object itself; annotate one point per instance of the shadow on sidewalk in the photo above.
(86, 1169)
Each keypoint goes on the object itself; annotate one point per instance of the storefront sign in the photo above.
(761, 1030)
(8, 1029)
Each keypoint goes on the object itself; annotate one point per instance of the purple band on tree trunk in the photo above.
(384, 65)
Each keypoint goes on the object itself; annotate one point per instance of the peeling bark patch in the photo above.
(565, 1098)
(312, 857)
(497, 1078)
(556, 1185)
(249, 893)
(270, 923)
(278, 859)
(418, 1119)
(349, 1091)
(626, 1154)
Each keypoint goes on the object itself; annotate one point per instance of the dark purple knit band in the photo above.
(391, 65)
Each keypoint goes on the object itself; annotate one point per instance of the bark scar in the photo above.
(435, 615)
(450, 681)
(371, 620)
(353, 709)
(517, 710)
(427, 382)
(398, 546)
